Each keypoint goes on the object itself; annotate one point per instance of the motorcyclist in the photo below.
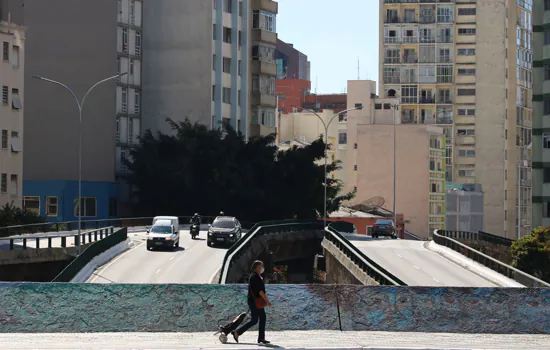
(221, 213)
(196, 219)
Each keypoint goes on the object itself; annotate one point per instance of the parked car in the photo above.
(224, 230)
(163, 234)
(385, 228)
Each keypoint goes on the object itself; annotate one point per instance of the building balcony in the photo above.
(392, 80)
(261, 67)
(391, 20)
(265, 100)
(408, 120)
(427, 40)
(266, 5)
(427, 19)
(392, 60)
(264, 36)
(427, 100)
(444, 121)
(445, 101)
(410, 59)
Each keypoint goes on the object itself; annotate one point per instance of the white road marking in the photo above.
(435, 279)
(158, 271)
(416, 267)
(172, 258)
(111, 263)
(399, 255)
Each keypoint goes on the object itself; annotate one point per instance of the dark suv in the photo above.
(225, 230)
(384, 228)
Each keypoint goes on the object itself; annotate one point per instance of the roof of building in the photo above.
(345, 212)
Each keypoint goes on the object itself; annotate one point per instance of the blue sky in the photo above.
(333, 34)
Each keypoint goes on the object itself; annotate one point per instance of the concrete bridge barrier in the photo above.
(65, 308)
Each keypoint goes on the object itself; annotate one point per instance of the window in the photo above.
(240, 67)
(4, 183)
(263, 53)
(15, 100)
(132, 12)
(409, 94)
(467, 11)
(466, 173)
(138, 44)
(263, 84)
(113, 207)
(467, 52)
(546, 175)
(355, 167)
(444, 15)
(15, 142)
(546, 141)
(14, 187)
(227, 65)
(264, 20)
(214, 35)
(227, 6)
(377, 106)
(125, 40)
(547, 71)
(466, 71)
(5, 95)
(466, 92)
(4, 144)
(226, 95)
(466, 132)
(227, 35)
(51, 206)
(444, 55)
(546, 5)
(124, 100)
(263, 116)
(240, 8)
(546, 210)
(89, 207)
(131, 72)
(466, 153)
(466, 31)
(213, 92)
(444, 74)
(6, 51)
(239, 98)
(240, 39)
(15, 56)
(342, 137)
(468, 112)
(32, 204)
(137, 104)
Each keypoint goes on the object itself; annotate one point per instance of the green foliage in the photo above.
(10, 215)
(531, 254)
(196, 169)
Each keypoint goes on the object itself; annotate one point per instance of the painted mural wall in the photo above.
(48, 307)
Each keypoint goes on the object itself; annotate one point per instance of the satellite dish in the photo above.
(373, 203)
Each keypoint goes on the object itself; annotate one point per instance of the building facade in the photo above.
(467, 66)
(464, 207)
(291, 63)
(12, 64)
(291, 92)
(541, 111)
(84, 55)
(236, 86)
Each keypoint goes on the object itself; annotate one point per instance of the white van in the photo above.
(173, 219)
(163, 234)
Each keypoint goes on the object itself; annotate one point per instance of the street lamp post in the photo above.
(326, 126)
(80, 104)
(395, 107)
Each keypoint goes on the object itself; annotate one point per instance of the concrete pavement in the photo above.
(193, 262)
(416, 265)
(281, 340)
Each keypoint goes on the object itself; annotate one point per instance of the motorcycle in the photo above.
(195, 229)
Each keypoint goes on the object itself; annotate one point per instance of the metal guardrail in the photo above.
(91, 252)
(495, 265)
(66, 226)
(412, 236)
(477, 236)
(260, 229)
(371, 268)
(86, 237)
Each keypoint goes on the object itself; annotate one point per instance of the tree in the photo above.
(531, 254)
(195, 169)
(10, 215)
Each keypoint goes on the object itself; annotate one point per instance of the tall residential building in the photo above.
(212, 62)
(541, 111)
(291, 63)
(467, 66)
(84, 54)
(12, 39)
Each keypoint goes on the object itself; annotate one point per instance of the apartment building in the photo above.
(12, 39)
(419, 157)
(467, 66)
(217, 68)
(290, 93)
(291, 63)
(84, 54)
(541, 111)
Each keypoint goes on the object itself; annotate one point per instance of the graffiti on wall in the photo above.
(49, 307)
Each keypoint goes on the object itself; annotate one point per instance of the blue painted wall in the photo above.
(67, 191)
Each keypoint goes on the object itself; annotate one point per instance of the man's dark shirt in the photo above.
(255, 286)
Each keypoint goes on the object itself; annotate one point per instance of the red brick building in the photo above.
(291, 92)
(336, 102)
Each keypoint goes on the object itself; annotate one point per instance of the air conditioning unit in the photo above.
(302, 138)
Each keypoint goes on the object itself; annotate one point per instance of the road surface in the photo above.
(282, 340)
(415, 265)
(192, 262)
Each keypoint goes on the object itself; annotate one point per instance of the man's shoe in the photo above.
(263, 342)
(235, 336)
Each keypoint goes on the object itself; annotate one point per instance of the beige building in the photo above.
(419, 155)
(12, 66)
(467, 66)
